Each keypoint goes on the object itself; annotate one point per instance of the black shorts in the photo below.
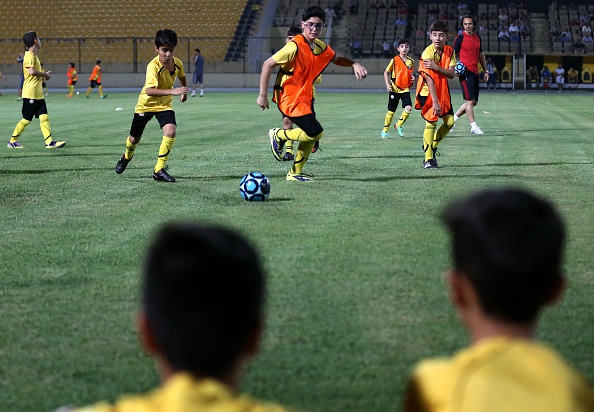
(73, 82)
(423, 99)
(33, 108)
(141, 119)
(94, 83)
(469, 83)
(396, 97)
(308, 123)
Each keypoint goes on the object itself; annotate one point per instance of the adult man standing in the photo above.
(198, 73)
(469, 51)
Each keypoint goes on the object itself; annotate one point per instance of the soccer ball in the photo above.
(460, 68)
(254, 187)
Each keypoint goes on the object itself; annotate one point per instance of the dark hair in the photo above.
(203, 296)
(313, 11)
(98, 62)
(72, 65)
(403, 41)
(470, 16)
(197, 50)
(439, 25)
(29, 38)
(294, 31)
(166, 37)
(509, 244)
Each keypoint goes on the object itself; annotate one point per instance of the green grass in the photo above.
(355, 259)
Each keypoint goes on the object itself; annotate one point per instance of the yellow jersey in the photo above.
(182, 393)
(32, 88)
(499, 375)
(159, 77)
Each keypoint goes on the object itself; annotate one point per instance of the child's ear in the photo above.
(557, 291)
(147, 339)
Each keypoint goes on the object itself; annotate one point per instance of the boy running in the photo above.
(95, 80)
(399, 77)
(156, 100)
(433, 92)
(33, 101)
(72, 79)
(295, 96)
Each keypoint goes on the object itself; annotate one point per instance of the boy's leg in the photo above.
(289, 149)
(44, 124)
(444, 129)
(387, 122)
(407, 103)
(168, 125)
(100, 88)
(428, 139)
(132, 141)
(18, 130)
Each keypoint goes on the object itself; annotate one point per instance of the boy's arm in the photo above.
(184, 96)
(433, 93)
(359, 71)
(388, 80)
(153, 91)
(267, 67)
(430, 64)
(46, 75)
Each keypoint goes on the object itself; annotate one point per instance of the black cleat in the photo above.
(163, 176)
(121, 165)
(288, 157)
(430, 164)
(316, 146)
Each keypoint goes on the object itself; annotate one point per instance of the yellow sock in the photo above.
(296, 135)
(100, 90)
(130, 147)
(289, 146)
(44, 124)
(88, 91)
(70, 89)
(388, 120)
(18, 130)
(428, 139)
(403, 118)
(164, 151)
(303, 153)
(444, 129)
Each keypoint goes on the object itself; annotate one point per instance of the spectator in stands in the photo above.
(502, 16)
(400, 21)
(353, 6)
(330, 13)
(387, 49)
(201, 319)
(555, 31)
(586, 29)
(503, 35)
(587, 39)
(547, 78)
(553, 5)
(421, 33)
(513, 28)
(566, 36)
(507, 248)
(356, 49)
(338, 10)
(579, 46)
(577, 35)
(532, 77)
(572, 77)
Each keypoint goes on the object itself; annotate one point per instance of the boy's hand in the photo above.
(436, 108)
(48, 75)
(181, 90)
(262, 102)
(430, 64)
(183, 97)
(360, 71)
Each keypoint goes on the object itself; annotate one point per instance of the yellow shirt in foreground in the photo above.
(159, 77)
(32, 86)
(499, 375)
(182, 393)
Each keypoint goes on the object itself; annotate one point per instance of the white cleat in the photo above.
(476, 130)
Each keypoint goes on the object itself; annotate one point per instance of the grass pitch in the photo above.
(355, 259)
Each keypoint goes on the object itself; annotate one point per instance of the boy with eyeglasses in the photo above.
(294, 97)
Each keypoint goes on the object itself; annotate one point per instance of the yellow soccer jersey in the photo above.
(182, 393)
(410, 63)
(159, 77)
(499, 375)
(431, 53)
(32, 86)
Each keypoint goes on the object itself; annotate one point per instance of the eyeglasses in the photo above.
(317, 26)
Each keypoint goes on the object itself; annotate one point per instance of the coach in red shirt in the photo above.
(469, 51)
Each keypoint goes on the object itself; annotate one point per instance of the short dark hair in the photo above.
(403, 41)
(29, 38)
(197, 50)
(313, 11)
(203, 296)
(294, 31)
(98, 62)
(509, 244)
(72, 65)
(166, 37)
(439, 25)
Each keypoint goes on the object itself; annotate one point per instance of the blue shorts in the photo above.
(469, 83)
(198, 78)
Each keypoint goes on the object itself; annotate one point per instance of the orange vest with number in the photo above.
(294, 97)
(401, 73)
(441, 86)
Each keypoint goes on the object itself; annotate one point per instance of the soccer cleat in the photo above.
(19, 99)
(104, 96)
(193, 94)
(385, 135)
(316, 146)
(15, 145)
(122, 164)
(400, 130)
(288, 157)
(55, 145)
(276, 144)
(87, 96)
(300, 177)
(476, 130)
(163, 176)
(430, 164)
(69, 95)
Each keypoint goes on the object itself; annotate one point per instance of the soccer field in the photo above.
(355, 259)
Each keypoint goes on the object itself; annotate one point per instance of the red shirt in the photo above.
(468, 49)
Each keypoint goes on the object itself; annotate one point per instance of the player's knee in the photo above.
(449, 122)
(317, 137)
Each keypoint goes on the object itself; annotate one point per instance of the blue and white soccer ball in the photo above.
(460, 68)
(254, 187)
